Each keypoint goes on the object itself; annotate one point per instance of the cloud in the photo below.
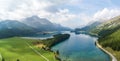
(66, 18)
(101, 15)
(62, 15)
(27, 8)
(106, 14)
(68, 2)
(24, 9)
(72, 13)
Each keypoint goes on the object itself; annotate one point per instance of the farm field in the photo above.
(19, 49)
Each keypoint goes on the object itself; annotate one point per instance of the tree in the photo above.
(3, 59)
(18, 60)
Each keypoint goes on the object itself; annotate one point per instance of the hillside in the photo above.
(90, 26)
(10, 28)
(112, 41)
(19, 49)
(28, 26)
(109, 33)
(107, 27)
(43, 24)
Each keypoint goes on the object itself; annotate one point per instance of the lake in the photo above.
(80, 47)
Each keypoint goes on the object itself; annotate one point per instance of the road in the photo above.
(99, 46)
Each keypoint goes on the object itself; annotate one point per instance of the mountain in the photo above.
(30, 25)
(109, 33)
(89, 27)
(107, 27)
(10, 28)
(102, 28)
(42, 24)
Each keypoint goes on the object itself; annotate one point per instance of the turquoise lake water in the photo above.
(80, 47)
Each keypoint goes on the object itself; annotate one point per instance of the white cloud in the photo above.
(24, 9)
(36, 7)
(18, 9)
(106, 14)
(68, 2)
(64, 17)
(101, 15)
(79, 20)
(85, 18)
(61, 16)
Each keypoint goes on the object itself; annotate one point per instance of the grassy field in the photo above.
(15, 48)
(115, 53)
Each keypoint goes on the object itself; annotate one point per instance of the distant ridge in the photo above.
(30, 25)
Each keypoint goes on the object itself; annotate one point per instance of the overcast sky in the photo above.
(72, 13)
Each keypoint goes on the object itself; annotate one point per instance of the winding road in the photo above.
(99, 46)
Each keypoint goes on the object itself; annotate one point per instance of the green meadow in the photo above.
(19, 49)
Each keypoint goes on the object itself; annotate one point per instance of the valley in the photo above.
(32, 45)
(109, 35)
(59, 30)
(16, 48)
(21, 49)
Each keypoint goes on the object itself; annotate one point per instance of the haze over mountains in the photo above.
(108, 27)
(43, 24)
(89, 27)
(99, 26)
(28, 26)
(108, 32)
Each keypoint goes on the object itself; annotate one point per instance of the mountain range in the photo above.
(108, 27)
(42, 24)
(27, 26)
(89, 27)
(108, 32)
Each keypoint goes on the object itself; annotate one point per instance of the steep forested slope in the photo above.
(107, 27)
(109, 33)
(112, 41)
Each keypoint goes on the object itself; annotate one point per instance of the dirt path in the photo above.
(99, 46)
(37, 52)
(0, 57)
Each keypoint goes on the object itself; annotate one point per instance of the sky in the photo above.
(70, 13)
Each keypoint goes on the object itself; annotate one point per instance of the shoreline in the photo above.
(113, 58)
(52, 42)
